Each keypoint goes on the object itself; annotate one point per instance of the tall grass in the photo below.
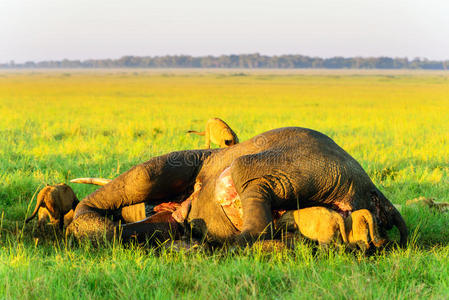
(55, 126)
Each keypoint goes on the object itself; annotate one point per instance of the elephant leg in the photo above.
(157, 180)
(257, 190)
(157, 228)
(257, 217)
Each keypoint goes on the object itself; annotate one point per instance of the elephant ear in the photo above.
(255, 166)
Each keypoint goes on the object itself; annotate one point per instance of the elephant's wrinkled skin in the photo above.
(282, 169)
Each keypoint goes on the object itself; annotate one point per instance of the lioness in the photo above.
(55, 201)
(218, 132)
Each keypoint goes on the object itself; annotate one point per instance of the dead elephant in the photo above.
(231, 194)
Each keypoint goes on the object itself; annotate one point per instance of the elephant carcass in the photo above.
(282, 169)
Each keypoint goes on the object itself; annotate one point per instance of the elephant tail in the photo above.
(341, 225)
(89, 180)
(39, 203)
(196, 132)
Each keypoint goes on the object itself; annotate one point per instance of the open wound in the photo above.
(227, 196)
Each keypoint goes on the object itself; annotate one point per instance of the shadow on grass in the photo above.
(428, 231)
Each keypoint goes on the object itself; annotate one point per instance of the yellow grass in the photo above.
(58, 125)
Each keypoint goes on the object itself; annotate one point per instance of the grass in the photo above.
(55, 126)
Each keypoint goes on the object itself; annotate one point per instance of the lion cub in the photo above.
(218, 132)
(56, 202)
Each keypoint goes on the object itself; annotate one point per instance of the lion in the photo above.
(325, 225)
(218, 132)
(430, 202)
(360, 226)
(315, 223)
(56, 202)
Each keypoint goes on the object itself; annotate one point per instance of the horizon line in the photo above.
(421, 58)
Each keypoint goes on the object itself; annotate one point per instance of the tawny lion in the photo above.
(56, 202)
(360, 226)
(218, 132)
(325, 226)
(430, 202)
(320, 224)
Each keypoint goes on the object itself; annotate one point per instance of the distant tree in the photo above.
(255, 60)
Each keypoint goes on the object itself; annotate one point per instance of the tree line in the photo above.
(240, 61)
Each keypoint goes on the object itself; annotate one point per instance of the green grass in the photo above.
(55, 126)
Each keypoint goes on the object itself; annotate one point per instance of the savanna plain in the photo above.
(60, 125)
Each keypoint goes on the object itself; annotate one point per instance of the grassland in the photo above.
(55, 126)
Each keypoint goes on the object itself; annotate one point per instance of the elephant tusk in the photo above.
(90, 180)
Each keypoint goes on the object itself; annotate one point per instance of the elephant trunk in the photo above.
(391, 216)
(396, 220)
(399, 222)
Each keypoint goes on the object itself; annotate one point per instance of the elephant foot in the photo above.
(92, 227)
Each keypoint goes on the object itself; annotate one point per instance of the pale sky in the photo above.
(81, 29)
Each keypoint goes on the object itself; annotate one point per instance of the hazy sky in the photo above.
(81, 29)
